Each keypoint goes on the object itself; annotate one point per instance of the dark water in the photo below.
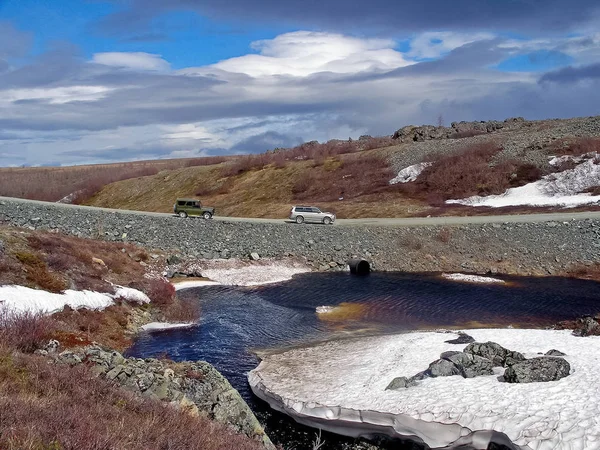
(236, 322)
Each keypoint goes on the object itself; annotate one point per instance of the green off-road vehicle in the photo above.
(185, 207)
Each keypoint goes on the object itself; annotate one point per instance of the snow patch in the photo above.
(340, 386)
(161, 326)
(130, 294)
(21, 299)
(71, 197)
(324, 309)
(410, 173)
(470, 278)
(194, 283)
(557, 189)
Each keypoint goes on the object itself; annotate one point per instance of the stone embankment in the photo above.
(194, 386)
(545, 248)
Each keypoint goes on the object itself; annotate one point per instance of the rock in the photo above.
(587, 326)
(463, 338)
(541, 369)
(69, 357)
(499, 356)
(254, 256)
(1, 247)
(196, 386)
(174, 259)
(399, 383)
(554, 352)
(52, 346)
(459, 363)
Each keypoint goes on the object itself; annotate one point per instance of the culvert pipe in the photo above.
(359, 266)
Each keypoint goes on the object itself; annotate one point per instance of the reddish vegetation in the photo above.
(468, 172)
(308, 151)
(48, 406)
(54, 262)
(55, 183)
(25, 333)
(349, 178)
(575, 146)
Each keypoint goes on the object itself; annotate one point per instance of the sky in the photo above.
(97, 81)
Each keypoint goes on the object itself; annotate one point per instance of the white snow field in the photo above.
(179, 285)
(21, 299)
(465, 278)
(557, 189)
(340, 386)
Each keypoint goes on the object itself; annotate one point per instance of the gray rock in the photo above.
(254, 256)
(69, 357)
(500, 356)
(174, 259)
(463, 338)
(400, 383)
(554, 352)
(542, 369)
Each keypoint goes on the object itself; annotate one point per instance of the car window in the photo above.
(190, 204)
(180, 203)
(315, 210)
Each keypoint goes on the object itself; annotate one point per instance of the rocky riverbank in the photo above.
(193, 386)
(545, 248)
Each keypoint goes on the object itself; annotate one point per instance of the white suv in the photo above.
(301, 214)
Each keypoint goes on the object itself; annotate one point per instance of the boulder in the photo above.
(554, 352)
(399, 383)
(500, 356)
(541, 369)
(463, 338)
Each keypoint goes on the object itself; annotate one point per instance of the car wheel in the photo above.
(299, 219)
(327, 220)
(183, 214)
(207, 215)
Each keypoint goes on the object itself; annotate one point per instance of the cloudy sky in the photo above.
(86, 81)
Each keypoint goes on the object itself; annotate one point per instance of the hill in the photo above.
(429, 165)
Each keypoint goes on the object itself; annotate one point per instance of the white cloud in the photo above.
(304, 53)
(55, 96)
(132, 60)
(437, 43)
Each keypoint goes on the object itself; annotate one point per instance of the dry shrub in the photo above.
(469, 172)
(350, 177)
(182, 311)
(223, 187)
(48, 406)
(575, 146)
(411, 242)
(38, 274)
(25, 332)
(160, 291)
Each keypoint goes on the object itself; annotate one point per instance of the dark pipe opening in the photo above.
(359, 267)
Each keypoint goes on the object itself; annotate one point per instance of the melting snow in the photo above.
(470, 278)
(410, 173)
(20, 299)
(194, 283)
(344, 382)
(160, 326)
(557, 189)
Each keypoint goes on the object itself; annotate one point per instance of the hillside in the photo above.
(464, 160)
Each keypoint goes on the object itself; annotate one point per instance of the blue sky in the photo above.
(97, 81)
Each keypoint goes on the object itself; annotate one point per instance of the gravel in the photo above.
(515, 248)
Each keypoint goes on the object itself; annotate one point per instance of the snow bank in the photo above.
(558, 189)
(21, 299)
(470, 278)
(340, 386)
(161, 326)
(193, 283)
(410, 173)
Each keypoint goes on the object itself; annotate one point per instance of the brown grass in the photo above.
(47, 406)
(54, 183)
(586, 272)
(466, 134)
(575, 146)
(25, 332)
